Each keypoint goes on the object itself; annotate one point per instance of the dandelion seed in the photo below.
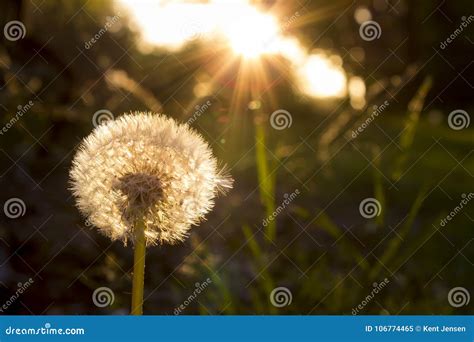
(147, 167)
(145, 178)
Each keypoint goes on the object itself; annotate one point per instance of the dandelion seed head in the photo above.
(145, 166)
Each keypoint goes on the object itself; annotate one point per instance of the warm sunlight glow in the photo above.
(254, 36)
(172, 24)
(322, 78)
(240, 26)
(357, 92)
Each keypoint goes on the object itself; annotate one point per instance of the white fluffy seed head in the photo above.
(145, 166)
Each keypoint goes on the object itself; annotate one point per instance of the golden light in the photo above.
(321, 77)
(357, 92)
(257, 35)
(248, 32)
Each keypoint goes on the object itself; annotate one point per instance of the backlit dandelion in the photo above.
(145, 178)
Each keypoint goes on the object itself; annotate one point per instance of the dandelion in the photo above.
(147, 179)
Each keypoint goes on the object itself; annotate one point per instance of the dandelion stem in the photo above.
(138, 268)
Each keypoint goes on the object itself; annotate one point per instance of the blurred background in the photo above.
(345, 124)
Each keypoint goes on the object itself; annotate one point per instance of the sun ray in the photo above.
(247, 42)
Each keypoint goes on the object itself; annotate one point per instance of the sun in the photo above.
(256, 35)
(250, 34)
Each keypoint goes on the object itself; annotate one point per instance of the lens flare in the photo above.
(320, 77)
(245, 30)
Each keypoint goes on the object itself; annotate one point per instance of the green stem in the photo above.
(138, 268)
(266, 180)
